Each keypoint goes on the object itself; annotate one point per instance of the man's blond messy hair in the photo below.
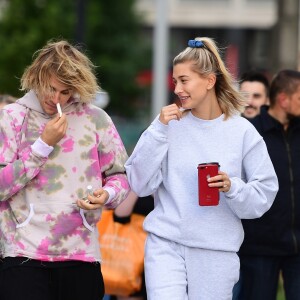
(68, 64)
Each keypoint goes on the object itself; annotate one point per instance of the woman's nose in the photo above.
(177, 89)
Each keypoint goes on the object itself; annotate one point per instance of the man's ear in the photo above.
(211, 79)
(283, 100)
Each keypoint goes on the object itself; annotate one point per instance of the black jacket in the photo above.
(277, 232)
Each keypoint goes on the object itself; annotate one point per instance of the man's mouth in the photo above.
(250, 107)
(51, 106)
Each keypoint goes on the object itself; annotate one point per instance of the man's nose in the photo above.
(56, 98)
(249, 99)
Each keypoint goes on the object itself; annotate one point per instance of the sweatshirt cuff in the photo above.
(160, 128)
(112, 194)
(41, 148)
(234, 189)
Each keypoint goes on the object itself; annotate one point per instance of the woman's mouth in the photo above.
(183, 99)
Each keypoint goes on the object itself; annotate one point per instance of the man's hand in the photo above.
(55, 130)
(97, 200)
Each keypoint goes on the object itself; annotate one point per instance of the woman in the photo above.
(191, 250)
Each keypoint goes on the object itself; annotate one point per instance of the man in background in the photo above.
(255, 86)
(272, 242)
(6, 99)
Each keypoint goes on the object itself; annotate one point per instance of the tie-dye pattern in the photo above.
(38, 215)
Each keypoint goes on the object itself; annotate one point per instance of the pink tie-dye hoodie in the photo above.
(39, 217)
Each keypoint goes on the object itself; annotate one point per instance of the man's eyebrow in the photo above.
(64, 90)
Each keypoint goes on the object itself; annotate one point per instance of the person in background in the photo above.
(191, 250)
(122, 213)
(272, 242)
(255, 86)
(61, 161)
(6, 99)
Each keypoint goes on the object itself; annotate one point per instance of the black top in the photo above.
(277, 232)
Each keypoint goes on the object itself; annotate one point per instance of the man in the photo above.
(6, 99)
(255, 86)
(55, 147)
(272, 242)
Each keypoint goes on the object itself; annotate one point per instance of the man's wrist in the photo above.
(41, 148)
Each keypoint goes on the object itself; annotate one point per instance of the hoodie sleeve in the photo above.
(253, 195)
(144, 167)
(113, 156)
(19, 164)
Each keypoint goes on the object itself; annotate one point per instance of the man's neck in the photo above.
(280, 116)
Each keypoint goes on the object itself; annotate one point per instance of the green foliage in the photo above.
(111, 37)
(24, 28)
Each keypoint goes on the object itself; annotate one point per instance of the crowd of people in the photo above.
(62, 162)
(270, 249)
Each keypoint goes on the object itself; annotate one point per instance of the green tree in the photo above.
(111, 38)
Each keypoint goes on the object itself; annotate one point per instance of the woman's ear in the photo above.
(211, 79)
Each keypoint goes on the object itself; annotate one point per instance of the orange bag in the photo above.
(122, 251)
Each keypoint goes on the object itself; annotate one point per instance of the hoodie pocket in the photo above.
(58, 228)
(53, 213)
(27, 220)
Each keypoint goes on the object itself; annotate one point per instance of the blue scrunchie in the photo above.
(195, 44)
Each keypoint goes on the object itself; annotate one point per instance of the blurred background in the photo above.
(133, 42)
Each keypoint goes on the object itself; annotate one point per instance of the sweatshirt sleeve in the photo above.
(253, 195)
(144, 165)
(113, 156)
(19, 164)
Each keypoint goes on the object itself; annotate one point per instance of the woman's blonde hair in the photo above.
(207, 60)
(68, 64)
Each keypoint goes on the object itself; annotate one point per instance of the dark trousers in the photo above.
(259, 277)
(78, 282)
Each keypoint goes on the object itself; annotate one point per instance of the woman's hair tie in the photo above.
(195, 44)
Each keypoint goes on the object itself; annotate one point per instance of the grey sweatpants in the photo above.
(177, 272)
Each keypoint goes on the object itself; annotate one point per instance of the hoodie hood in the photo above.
(31, 101)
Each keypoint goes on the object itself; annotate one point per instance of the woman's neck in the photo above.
(209, 110)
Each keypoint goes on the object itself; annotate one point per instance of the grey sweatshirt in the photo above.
(164, 163)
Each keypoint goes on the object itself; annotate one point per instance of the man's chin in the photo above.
(250, 113)
(50, 113)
